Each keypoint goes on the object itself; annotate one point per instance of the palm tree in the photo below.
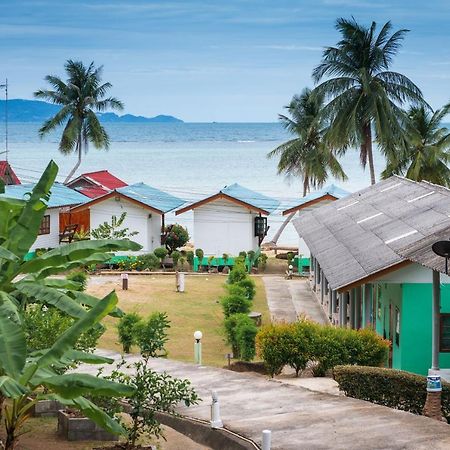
(81, 96)
(425, 152)
(306, 156)
(365, 97)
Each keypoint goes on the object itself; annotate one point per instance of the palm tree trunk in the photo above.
(367, 130)
(79, 151)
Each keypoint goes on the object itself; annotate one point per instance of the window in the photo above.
(261, 226)
(444, 341)
(397, 326)
(45, 225)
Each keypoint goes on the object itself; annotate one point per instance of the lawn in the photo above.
(196, 309)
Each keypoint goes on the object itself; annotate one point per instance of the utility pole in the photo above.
(5, 87)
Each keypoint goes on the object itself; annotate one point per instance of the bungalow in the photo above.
(61, 198)
(7, 174)
(145, 209)
(230, 221)
(96, 184)
(363, 271)
(307, 203)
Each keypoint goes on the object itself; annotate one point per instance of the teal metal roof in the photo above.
(60, 195)
(250, 197)
(150, 196)
(331, 189)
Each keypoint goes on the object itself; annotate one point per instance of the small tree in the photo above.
(127, 330)
(175, 236)
(190, 258)
(160, 253)
(151, 335)
(113, 230)
(199, 254)
(176, 256)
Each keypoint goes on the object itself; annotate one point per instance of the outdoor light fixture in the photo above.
(198, 347)
(442, 248)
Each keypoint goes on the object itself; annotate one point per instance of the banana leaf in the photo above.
(73, 385)
(89, 300)
(61, 283)
(10, 388)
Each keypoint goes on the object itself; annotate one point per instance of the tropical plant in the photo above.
(365, 96)
(175, 236)
(80, 97)
(25, 283)
(80, 277)
(113, 230)
(424, 153)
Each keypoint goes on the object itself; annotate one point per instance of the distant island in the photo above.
(20, 110)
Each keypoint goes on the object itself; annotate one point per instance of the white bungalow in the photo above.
(145, 208)
(231, 221)
(311, 201)
(61, 199)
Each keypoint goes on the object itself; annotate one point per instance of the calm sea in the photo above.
(189, 160)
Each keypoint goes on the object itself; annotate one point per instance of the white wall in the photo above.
(224, 227)
(412, 273)
(137, 219)
(52, 239)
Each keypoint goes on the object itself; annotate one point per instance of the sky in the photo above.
(203, 61)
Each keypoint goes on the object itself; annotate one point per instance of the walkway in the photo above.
(288, 299)
(299, 418)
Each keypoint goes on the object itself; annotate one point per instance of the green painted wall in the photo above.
(414, 303)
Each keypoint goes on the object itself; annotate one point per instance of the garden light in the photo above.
(198, 347)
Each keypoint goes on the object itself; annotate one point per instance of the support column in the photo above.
(315, 275)
(358, 304)
(368, 305)
(330, 303)
(345, 297)
(352, 308)
(436, 314)
(334, 296)
(322, 286)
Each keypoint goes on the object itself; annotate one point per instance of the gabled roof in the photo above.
(92, 191)
(241, 196)
(7, 173)
(360, 236)
(331, 192)
(60, 195)
(143, 195)
(100, 178)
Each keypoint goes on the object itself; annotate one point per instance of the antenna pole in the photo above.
(5, 86)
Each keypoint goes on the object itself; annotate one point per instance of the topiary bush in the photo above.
(176, 236)
(248, 286)
(388, 387)
(176, 255)
(199, 253)
(235, 303)
(190, 258)
(262, 262)
(161, 253)
(237, 274)
(127, 330)
(80, 277)
(241, 333)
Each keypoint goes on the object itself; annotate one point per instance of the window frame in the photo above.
(441, 326)
(45, 226)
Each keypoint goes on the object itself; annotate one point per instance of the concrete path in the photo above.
(288, 299)
(299, 418)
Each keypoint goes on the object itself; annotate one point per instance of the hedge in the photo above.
(241, 332)
(305, 341)
(388, 387)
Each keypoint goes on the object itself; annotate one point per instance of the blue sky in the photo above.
(230, 60)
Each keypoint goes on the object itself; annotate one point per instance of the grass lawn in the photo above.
(196, 309)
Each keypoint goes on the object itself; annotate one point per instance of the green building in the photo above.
(372, 266)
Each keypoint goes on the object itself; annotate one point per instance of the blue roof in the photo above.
(332, 189)
(150, 196)
(60, 195)
(250, 197)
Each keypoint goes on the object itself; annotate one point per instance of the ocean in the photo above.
(189, 160)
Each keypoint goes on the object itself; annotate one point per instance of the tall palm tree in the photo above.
(425, 151)
(306, 156)
(365, 97)
(80, 96)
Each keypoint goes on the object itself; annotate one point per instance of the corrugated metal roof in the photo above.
(151, 196)
(332, 189)
(420, 252)
(7, 174)
(92, 191)
(250, 197)
(362, 233)
(60, 195)
(105, 179)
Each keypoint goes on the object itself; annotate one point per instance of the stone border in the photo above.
(201, 432)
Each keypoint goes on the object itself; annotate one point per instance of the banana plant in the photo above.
(23, 375)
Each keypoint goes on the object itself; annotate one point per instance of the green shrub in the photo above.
(149, 261)
(262, 262)
(80, 277)
(249, 287)
(225, 258)
(242, 255)
(241, 333)
(190, 258)
(270, 345)
(127, 330)
(234, 303)
(236, 274)
(43, 325)
(235, 289)
(176, 255)
(251, 257)
(161, 253)
(388, 387)
(151, 335)
(199, 254)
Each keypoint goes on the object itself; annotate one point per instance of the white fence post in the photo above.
(216, 421)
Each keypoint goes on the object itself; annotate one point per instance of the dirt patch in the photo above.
(245, 366)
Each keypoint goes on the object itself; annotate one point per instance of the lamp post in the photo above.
(198, 347)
